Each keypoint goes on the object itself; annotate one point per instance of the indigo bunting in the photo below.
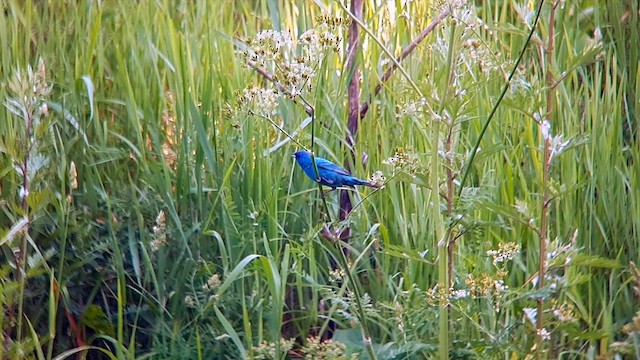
(329, 174)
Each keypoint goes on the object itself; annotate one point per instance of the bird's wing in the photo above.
(328, 165)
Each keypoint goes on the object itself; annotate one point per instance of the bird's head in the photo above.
(301, 155)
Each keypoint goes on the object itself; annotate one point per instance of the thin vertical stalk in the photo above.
(353, 90)
(436, 216)
(449, 165)
(366, 333)
(445, 263)
(544, 211)
(21, 253)
(450, 200)
(353, 121)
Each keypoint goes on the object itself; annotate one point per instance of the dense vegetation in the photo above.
(150, 207)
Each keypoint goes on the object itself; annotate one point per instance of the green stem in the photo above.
(442, 237)
(366, 333)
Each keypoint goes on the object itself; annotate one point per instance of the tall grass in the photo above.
(171, 222)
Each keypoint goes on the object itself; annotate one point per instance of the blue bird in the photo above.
(330, 174)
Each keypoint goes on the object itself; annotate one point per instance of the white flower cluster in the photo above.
(269, 45)
(486, 284)
(296, 77)
(476, 53)
(267, 350)
(564, 312)
(544, 334)
(159, 232)
(276, 53)
(403, 160)
(506, 251)
(212, 283)
(190, 301)
(262, 101)
(378, 178)
(315, 43)
(412, 109)
(336, 275)
(459, 294)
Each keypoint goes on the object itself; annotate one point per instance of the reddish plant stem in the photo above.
(544, 221)
(354, 106)
(20, 253)
(354, 85)
(451, 240)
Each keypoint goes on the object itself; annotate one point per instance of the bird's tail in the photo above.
(355, 181)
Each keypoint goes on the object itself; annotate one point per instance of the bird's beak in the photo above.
(293, 155)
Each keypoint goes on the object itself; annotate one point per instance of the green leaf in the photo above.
(94, 318)
(594, 261)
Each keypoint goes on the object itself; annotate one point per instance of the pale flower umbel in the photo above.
(291, 65)
(506, 251)
(378, 179)
(260, 101)
(159, 232)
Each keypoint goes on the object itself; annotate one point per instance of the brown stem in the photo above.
(354, 85)
(20, 253)
(406, 52)
(75, 329)
(450, 197)
(544, 221)
(354, 106)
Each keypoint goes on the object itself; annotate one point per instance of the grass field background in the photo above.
(150, 207)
